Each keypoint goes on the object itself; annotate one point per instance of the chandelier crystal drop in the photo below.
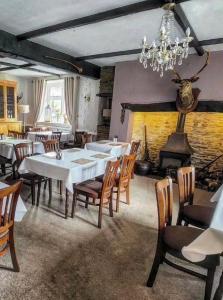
(169, 49)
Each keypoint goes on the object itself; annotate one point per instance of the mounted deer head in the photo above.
(187, 96)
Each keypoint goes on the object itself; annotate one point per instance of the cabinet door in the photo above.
(11, 113)
(2, 102)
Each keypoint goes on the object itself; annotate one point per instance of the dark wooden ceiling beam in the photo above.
(36, 53)
(27, 66)
(184, 24)
(14, 67)
(137, 51)
(95, 18)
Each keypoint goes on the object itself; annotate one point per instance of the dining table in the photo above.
(20, 208)
(65, 136)
(210, 242)
(75, 166)
(7, 149)
(106, 146)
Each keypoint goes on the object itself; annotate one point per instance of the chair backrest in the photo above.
(1, 135)
(8, 201)
(164, 198)
(40, 137)
(109, 179)
(134, 147)
(186, 184)
(56, 135)
(127, 166)
(21, 135)
(51, 145)
(86, 138)
(23, 150)
(35, 129)
(12, 133)
(78, 137)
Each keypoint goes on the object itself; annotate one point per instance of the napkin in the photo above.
(82, 161)
(50, 155)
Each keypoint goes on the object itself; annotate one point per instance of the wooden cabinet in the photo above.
(8, 107)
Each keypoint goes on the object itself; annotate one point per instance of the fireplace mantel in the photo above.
(203, 106)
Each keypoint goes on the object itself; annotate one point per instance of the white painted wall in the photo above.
(87, 116)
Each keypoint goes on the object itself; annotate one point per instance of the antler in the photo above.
(79, 69)
(178, 79)
(204, 66)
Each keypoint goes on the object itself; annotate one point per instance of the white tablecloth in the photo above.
(7, 151)
(109, 147)
(211, 240)
(20, 209)
(66, 169)
(65, 137)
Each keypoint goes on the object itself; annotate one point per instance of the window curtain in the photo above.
(39, 89)
(71, 90)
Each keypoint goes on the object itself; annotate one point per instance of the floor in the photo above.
(73, 259)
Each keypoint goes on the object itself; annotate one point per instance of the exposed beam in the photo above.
(137, 51)
(184, 24)
(14, 67)
(25, 66)
(98, 17)
(109, 54)
(211, 42)
(33, 52)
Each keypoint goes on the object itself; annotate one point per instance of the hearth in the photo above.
(177, 151)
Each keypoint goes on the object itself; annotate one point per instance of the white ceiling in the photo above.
(118, 34)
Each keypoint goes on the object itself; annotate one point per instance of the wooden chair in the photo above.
(21, 135)
(171, 240)
(40, 137)
(86, 138)
(22, 151)
(9, 196)
(56, 135)
(134, 147)
(196, 215)
(51, 145)
(122, 180)
(100, 193)
(35, 129)
(12, 133)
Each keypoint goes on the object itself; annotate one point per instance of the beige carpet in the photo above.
(73, 259)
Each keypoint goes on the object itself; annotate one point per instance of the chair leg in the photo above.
(45, 184)
(209, 283)
(12, 251)
(74, 204)
(38, 191)
(33, 192)
(61, 187)
(219, 292)
(87, 201)
(66, 204)
(100, 214)
(111, 206)
(128, 194)
(50, 190)
(118, 199)
(157, 260)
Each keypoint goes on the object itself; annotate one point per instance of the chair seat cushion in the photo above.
(197, 213)
(176, 237)
(90, 188)
(30, 176)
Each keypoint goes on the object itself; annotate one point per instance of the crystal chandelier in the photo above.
(169, 49)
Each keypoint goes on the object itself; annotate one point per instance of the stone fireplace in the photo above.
(202, 143)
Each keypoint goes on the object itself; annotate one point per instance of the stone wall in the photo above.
(205, 133)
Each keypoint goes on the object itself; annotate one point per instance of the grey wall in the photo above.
(134, 84)
(24, 85)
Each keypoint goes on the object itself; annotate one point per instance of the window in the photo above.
(53, 109)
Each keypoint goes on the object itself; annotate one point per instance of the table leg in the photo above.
(219, 292)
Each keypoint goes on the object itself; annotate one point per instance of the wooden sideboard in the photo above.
(8, 107)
